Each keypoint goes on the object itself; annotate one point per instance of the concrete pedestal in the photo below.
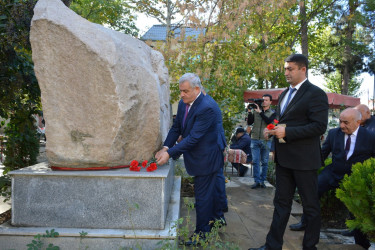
(12, 237)
(116, 208)
(113, 199)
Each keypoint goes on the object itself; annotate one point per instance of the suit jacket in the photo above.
(202, 153)
(335, 143)
(221, 137)
(306, 119)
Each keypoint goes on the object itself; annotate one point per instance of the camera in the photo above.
(257, 101)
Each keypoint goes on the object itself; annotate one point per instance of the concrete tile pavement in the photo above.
(250, 215)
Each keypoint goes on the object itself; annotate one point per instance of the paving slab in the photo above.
(250, 215)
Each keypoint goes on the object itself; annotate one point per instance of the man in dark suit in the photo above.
(243, 142)
(303, 116)
(367, 121)
(349, 144)
(197, 123)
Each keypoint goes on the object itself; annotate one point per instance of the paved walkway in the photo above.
(250, 215)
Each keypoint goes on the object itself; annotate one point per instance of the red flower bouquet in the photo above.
(272, 125)
(149, 165)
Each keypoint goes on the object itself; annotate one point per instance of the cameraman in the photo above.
(260, 117)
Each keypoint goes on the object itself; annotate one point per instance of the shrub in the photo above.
(357, 192)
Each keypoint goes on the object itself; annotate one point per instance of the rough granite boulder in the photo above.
(105, 95)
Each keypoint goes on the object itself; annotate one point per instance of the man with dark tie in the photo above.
(349, 144)
(302, 113)
(198, 123)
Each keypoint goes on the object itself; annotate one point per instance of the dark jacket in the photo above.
(202, 153)
(335, 144)
(306, 119)
(370, 124)
(243, 143)
(260, 122)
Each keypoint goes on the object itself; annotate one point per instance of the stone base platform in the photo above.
(12, 237)
(113, 199)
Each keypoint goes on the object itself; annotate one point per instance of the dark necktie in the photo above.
(347, 146)
(186, 113)
(291, 91)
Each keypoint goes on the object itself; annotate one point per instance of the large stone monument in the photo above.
(105, 99)
(105, 94)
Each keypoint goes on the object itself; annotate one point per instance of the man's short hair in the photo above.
(268, 95)
(299, 59)
(240, 130)
(192, 78)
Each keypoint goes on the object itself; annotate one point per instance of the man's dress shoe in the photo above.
(259, 248)
(300, 226)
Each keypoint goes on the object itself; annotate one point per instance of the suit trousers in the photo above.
(220, 190)
(286, 182)
(207, 202)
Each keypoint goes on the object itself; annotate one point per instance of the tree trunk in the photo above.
(304, 29)
(168, 22)
(353, 4)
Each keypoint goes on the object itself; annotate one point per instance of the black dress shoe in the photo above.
(262, 185)
(300, 226)
(259, 248)
(255, 185)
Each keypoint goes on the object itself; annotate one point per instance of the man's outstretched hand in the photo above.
(162, 156)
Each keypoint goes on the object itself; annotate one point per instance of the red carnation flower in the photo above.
(134, 163)
(275, 121)
(270, 126)
(152, 167)
(144, 163)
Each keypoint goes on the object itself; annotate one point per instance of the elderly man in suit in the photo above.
(303, 116)
(367, 121)
(349, 144)
(198, 124)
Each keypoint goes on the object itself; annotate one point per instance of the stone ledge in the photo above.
(118, 198)
(69, 238)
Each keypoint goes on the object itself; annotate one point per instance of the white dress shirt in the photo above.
(353, 138)
(287, 93)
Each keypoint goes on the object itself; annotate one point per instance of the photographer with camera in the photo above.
(260, 115)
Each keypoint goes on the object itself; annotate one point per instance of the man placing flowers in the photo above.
(196, 122)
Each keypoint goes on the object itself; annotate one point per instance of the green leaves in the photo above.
(117, 14)
(357, 192)
(38, 243)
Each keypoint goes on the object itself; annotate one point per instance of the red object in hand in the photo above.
(270, 126)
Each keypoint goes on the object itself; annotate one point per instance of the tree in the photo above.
(346, 43)
(117, 14)
(334, 85)
(19, 90)
(240, 45)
